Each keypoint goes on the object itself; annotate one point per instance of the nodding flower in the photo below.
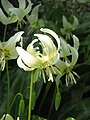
(41, 53)
(8, 49)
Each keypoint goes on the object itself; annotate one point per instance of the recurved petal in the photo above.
(51, 32)
(7, 20)
(48, 46)
(76, 42)
(22, 4)
(3, 18)
(22, 65)
(6, 5)
(30, 47)
(28, 8)
(64, 49)
(10, 44)
(74, 54)
(29, 60)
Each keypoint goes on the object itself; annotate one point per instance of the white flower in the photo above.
(43, 56)
(66, 65)
(8, 49)
(14, 14)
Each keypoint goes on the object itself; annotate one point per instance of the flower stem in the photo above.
(18, 94)
(8, 80)
(30, 96)
(5, 30)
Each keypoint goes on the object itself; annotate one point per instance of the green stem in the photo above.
(5, 30)
(30, 96)
(18, 94)
(8, 80)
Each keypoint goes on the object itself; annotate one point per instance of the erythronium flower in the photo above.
(8, 49)
(14, 14)
(66, 65)
(45, 55)
(68, 27)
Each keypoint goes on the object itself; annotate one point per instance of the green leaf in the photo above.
(57, 100)
(38, 86)
(21, 107)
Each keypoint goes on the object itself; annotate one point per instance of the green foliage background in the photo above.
(75, 99)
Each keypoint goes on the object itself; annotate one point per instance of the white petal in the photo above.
(2, 64)
(6, 5)
(61, 66)
(22, 4)
(64, 49)
(30, 47)
(55, 59)
(18, 118)
(48, 45)
(53, 34)
(11, 43)
(28, 59)
(50, 75)
(76, 42)
(28, 8)
(21, 65)
(74, 55)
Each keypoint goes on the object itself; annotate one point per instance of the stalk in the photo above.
(8, 93)
(5, 30)
(30, 96)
